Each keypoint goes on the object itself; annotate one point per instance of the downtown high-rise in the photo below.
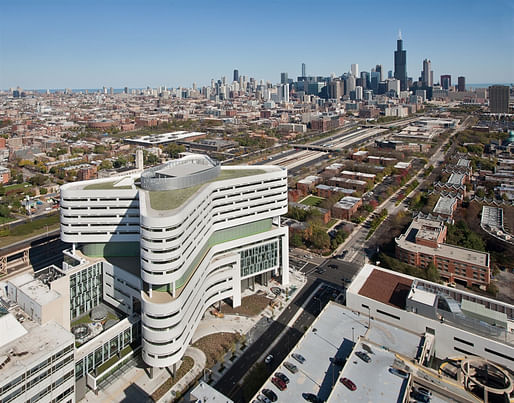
(400, 64)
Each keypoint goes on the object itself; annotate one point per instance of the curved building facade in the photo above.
(209, 233)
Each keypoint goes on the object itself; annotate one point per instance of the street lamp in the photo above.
(353, 335)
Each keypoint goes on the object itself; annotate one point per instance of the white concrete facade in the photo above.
(192, 255)
(450, 341)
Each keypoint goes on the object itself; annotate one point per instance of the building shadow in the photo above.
(134, 394)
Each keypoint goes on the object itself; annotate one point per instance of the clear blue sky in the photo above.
(88, 44)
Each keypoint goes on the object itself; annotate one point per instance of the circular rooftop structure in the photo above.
(486, 375)
(98, 313)
(182, 173)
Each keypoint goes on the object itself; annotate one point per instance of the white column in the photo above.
(285, 257)
(236, 278)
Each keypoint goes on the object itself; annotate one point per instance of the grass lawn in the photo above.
(17, 186)
(330, 223)
(185, 367)
(312, 200)
(215, 346)
(105, 186)
(10, 239)
(4, 220)
(171, 199)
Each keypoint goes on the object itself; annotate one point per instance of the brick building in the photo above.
(423, 243)
(345, 208)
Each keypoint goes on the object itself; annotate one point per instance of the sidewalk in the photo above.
(132, 383)
(199, 358)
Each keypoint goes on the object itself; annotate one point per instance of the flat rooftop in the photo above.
(164, 138)
(373, 380)
(445, 205)
(35, 289)
(165, 200)
(444, 250)
(386, 288)
(339, 332)
(456, 179)
(30, 348)
(347, 202)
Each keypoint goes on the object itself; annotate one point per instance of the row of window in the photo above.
(236, 196)
(43, 375)
(106, 351)
(193, 243)
(54, 358)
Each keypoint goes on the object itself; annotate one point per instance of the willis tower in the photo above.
(400, 63)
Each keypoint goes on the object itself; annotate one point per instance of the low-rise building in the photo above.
(423, 244)
(346, 207)
(307, 184)
(348, 183)
(5, 175)
(445, 207)
(328, 191)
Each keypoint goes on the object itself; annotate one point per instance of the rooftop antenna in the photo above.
(400, 34)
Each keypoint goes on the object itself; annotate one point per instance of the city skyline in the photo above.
(79, 45)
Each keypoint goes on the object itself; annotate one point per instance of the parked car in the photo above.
(419, 397)
(279, 383)
(348, 383)
(268, 359)
(311, 397)
(291, 367)
(399, 372)
(263, 399)
(424, 391)
(282, 376)
(270, 394)
(320, 270)
(332, 266)
(298, 357)
(363, 356)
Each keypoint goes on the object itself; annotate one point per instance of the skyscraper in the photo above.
(355, 70)
(378, 69)
(427, 74)
(400, 63)
(283, 78)
(499, 99)
(461, 84)
(446, 81)
(303, 70)
(236, 75)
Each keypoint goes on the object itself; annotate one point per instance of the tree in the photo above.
(173, 150)
(492, 289)
(106, 164)
(151, 159)
(38, 180)
(120, 162)
(432, 273)
(319, 238)
(295, 240)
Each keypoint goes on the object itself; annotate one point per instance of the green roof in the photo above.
(480, 312)
(105, 186)
(171, 199)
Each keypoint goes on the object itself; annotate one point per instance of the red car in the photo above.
(349, 384)
(279, 383)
